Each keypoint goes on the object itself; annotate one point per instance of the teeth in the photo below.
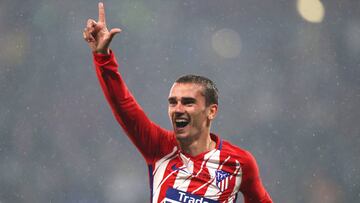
(181, 122)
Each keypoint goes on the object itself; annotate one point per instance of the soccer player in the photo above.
(189, 163)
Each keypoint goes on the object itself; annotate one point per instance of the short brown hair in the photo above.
(210, 90)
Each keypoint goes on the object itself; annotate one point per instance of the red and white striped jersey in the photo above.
(213, 176)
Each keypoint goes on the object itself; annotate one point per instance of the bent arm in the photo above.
(140, 129)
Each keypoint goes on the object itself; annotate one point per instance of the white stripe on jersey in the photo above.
(183, 178)
(211, 166)
(238, 175)
(212, 190)
(207, 156)
(160, 167)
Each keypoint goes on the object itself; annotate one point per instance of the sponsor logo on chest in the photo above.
(177, 196)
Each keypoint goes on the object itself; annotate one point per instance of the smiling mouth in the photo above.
(181, 122)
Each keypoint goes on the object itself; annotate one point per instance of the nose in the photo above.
(179, 108)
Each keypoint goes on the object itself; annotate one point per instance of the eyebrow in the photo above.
(171, 99)
(183, 99)
(188, 99)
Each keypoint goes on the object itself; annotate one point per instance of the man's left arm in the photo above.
(251, 185)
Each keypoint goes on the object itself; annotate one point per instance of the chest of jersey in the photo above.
(212, 177)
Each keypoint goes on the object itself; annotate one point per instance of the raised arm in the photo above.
(143, 132)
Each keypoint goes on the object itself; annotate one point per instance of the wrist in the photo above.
(101, 58)
(103, 51)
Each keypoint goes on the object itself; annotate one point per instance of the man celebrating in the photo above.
(188, 164)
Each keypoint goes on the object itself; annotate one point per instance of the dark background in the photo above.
(289, 93)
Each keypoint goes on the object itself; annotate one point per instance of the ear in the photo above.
(213, 108)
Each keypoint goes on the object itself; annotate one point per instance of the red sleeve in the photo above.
(139, 128)
(251, 185)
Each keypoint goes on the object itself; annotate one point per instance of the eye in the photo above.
(189, 102)
(172, 102)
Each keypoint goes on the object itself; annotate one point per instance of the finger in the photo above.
(101, 13)
(87, 36)
(91, 23)
(113, 32)
(84, 35)
(90, 26)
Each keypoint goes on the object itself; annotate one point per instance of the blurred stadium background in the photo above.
(287, 70)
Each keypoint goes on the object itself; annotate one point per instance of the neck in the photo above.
(195, 147)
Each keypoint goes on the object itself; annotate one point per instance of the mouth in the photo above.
(181, 122)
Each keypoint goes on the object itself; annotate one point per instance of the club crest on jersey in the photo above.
(222, 179)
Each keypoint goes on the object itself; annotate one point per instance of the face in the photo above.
(188, 113)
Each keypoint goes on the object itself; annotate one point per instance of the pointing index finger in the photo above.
(101, 12)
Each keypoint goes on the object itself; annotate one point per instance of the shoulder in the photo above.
(249, 167)
(239, 155)
(243, 155)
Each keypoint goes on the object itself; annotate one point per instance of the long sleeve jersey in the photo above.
(213, 176)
